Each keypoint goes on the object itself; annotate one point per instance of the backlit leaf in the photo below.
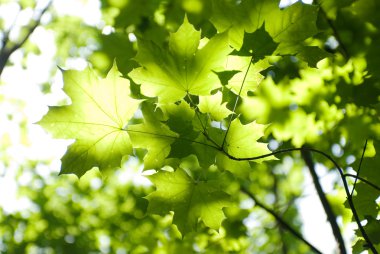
(213, 105)
(190, 199)
(96, 119)
(170, 74)
(241, 140)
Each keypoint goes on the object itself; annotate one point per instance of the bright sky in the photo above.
(21, 98)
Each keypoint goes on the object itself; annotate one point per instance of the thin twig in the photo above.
(363, 180)
(5, 39)
(204, 127)
(281, 221)
(6, 52)
(306, 155)
(360, 165)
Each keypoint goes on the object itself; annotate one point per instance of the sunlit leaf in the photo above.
(183, 68)
(213, 105)
(96, 119)
(241, 140)
(190, 199)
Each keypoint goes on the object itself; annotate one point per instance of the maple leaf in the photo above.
(258, 44)
(213, 105)
(236, 18)
(245, 80)
(96, 119)
(293, 24)
(240, 169)
(156, 138)
(241, 141)
(152, 135)
(189, 199)
(180, 120)
(170, 74)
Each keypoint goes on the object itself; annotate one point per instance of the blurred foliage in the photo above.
(320, 88)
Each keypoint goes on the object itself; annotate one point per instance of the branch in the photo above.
(236, 102)
(342, 175)
(345, 185)
(276, 204)
(283, 223)
(6, 52)
(306, 155)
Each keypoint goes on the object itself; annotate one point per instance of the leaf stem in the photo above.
(278, 218)
(236, 102)
(204, 132)
(360, 165)
(196, 112)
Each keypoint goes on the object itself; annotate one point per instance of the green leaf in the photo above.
(154, 136)
(184, 68)
(180, 120)
(240, 169)
(246, 16)
(332, 6)
(241, 141)
(258, 44)
(96, 119)
(189, 199)
(246, 81)
(213, 105)
(312, 55)
(293, 24)
(372, 228)
(205, 151)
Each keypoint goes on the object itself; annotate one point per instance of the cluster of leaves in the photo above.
(176, 125)
(189, 104)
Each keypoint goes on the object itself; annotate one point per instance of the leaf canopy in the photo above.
(209, 94)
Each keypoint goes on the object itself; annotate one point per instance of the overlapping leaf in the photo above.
(249, 77)
(241, 141)
(180, 120)
(156, 138)
(170, 74)
(213, 105)
(152, 135)
(246, 16)
(189, 199)
(96, 119)
(289, 26)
